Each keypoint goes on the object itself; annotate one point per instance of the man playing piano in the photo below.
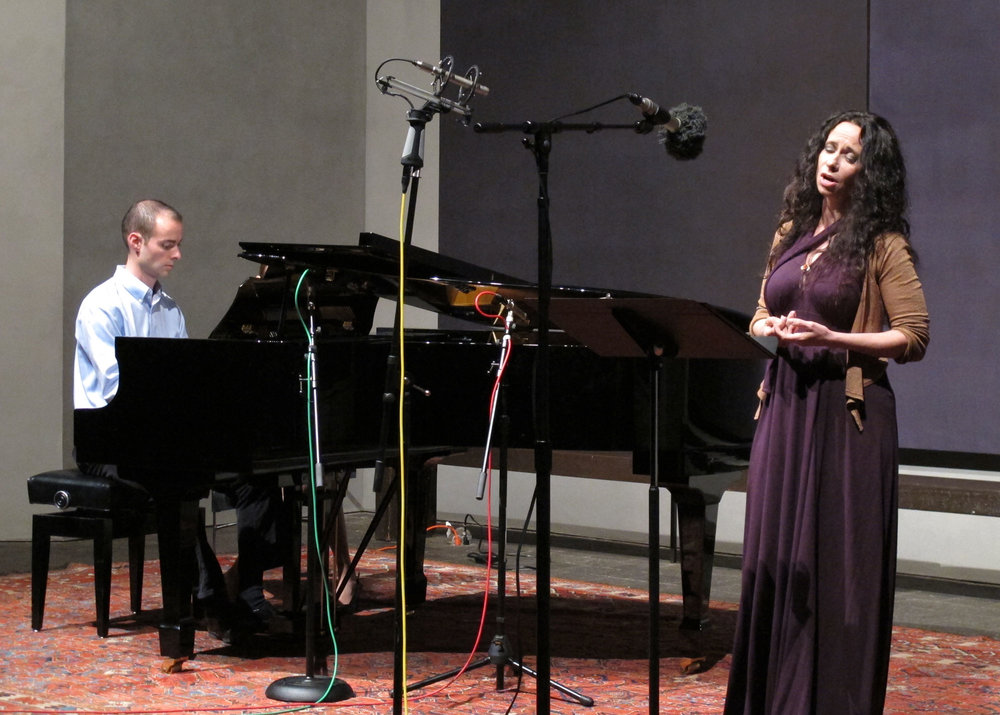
(132, 303)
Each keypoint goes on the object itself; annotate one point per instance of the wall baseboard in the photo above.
(973, 586)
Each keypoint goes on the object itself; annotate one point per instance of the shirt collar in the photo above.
(135, 287)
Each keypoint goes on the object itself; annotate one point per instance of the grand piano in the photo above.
(233, 405)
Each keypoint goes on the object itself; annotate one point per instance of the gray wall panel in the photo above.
(32, 42)
(624, 214)
(240, 114)
(936, 75)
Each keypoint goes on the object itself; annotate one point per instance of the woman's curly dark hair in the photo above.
(878, 196)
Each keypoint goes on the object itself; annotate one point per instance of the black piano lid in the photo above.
(436, 282)
(376, 255)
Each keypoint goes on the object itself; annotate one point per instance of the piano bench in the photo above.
(93, 508)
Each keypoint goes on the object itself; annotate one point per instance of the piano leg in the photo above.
(697, 504)
(421, 512)
(697, 515)
(177, 522)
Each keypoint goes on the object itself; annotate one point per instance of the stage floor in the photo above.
(945, 606)
(943, 658)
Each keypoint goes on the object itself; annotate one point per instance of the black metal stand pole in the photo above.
(655, 368)
(657, 345)
(412, 161)
(312, 688)
(539, 141)
(498, 652)
(541, 146)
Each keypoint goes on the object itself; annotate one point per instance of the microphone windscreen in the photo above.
(689, 138)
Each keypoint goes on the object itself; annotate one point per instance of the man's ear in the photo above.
(134, 241)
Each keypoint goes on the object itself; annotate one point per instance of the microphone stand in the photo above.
(412, 162)
(498, 653)
(539, 142)
(310, 688)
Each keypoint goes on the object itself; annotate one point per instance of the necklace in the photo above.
(813, 256)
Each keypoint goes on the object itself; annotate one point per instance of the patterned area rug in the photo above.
(598, 643)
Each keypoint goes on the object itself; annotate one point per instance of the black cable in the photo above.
(591, 109)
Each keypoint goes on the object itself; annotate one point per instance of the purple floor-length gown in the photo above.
(819, 552)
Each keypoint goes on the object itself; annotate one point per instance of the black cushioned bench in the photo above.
(88, 507)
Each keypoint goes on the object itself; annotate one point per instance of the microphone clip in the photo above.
(443, 75)
(652, 115)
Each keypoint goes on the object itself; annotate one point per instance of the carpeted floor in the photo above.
(598, 643)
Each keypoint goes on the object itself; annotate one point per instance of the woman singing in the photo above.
(842, 296)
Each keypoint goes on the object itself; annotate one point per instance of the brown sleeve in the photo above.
(903, 297)
(762, 311)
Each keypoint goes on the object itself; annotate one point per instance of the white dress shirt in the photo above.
(122, 306)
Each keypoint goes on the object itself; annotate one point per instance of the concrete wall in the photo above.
(32, 47)
(257, 120)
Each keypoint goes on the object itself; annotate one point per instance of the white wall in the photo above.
(949, 546)
(410, 30)
(960, 546)
(32, 50)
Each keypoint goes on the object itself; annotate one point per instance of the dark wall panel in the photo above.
(936, 74)
(625, 214)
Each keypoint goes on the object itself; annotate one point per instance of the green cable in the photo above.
(312, 486)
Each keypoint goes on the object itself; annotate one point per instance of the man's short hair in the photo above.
(141, 217)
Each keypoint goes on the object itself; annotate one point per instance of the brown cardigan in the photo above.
(891, 293)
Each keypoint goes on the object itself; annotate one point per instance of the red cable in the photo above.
(480, 310)
(489, 533)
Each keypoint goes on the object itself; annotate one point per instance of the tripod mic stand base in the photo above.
(500, 662)
(305, 689)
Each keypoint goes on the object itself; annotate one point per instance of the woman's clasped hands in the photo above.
(793, 329)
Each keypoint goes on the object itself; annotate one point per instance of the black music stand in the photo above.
(655, 328)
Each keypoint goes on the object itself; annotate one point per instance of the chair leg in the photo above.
(100, 528)
(136, 556)
(291, 571)
(39, 568)
(103, 536)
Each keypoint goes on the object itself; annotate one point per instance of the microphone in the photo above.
(653, 113)
(448, 76)
(686, 141)
(681, 129)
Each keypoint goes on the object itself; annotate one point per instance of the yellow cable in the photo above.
(402, 462)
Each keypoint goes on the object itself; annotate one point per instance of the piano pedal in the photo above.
(172, 665)
(693, 666)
